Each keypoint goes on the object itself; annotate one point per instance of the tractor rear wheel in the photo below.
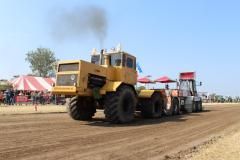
(81, 108)
(120, 105)
(153, 107)
(194, 106)
(197, 109)
(175, 106)
(199, 106)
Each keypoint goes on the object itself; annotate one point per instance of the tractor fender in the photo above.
(147, 93)
(110, 87)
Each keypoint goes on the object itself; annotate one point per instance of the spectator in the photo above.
(11, 97)
(20, 94)
(1, 97)
(32, 97)
(40, 97)
(35, 97)
(166, 86)
(7, 97)
(14, 97)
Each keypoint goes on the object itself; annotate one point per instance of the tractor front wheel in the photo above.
(195, 106)
(81, 108)
(199, 106)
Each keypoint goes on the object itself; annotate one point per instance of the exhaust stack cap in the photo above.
(119, 48)
(94, 51)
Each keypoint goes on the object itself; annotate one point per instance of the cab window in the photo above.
(116, 60)
(95, 59)
(129, 62)
(68, 67)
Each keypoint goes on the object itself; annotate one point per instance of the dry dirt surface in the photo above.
(224, 147)
(31, 109)
(56, 136)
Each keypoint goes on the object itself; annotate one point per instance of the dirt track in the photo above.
(56, 136)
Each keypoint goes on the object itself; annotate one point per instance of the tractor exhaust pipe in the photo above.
(101, 57)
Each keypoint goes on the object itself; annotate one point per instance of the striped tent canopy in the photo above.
(31, 83)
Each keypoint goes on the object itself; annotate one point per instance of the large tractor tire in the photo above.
(194, 106)
(153, 107)
(175, 107)
(81, 108)
(120, 105)
(199, 106)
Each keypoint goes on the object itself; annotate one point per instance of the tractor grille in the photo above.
(95, 81)
(67, 80)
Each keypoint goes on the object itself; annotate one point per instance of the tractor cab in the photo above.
(189, 99)
(187, 84)
(114, 58)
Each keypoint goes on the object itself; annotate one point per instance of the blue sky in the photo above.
(167, 37)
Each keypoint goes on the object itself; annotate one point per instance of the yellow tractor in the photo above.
(108, 82)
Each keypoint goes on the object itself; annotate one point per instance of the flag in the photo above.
(139, 68)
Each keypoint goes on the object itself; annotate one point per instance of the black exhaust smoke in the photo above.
(80, 22)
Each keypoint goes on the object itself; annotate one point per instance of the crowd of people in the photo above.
(12, 97)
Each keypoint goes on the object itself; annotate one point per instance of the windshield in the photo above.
(116, 59)
(184, 85)
(95, 59)
(68, 67)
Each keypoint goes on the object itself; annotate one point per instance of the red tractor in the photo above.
(190, 101)
(185, 98)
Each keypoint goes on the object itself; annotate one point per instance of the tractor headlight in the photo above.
(73, 77)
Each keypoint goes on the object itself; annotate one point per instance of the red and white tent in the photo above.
(31, 83)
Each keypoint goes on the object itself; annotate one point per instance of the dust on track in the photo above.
(56, 136)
